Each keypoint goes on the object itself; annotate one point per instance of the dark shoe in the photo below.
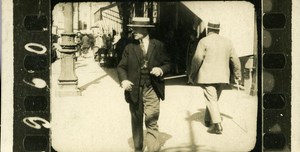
(207, 123)
(216, 129)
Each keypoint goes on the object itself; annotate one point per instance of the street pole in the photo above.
(68, 80)
(78, 18)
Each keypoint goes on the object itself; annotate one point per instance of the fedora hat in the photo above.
(140, 22)
(213, 24)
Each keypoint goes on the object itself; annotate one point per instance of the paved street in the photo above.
(99, 120)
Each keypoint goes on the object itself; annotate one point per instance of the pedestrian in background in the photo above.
(78, 42)
(85, 45)
(91, 40)
(211, 69)
(141, 71)
(98, 45)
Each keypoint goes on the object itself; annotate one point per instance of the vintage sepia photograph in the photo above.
(149, 76)
(154, 76)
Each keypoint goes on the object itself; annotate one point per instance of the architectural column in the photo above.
(68, 80)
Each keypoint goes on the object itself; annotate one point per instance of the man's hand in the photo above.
(127, 85)
(156, 71)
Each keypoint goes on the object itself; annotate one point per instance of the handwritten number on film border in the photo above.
(29, 48)
(33, 121)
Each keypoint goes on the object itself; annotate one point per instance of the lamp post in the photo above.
(68, 80)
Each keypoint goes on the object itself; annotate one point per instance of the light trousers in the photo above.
(212, 94)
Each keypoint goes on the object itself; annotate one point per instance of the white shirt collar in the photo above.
(145, 39)
(146, 42)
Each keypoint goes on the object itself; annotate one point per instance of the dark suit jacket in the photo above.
(130, 64)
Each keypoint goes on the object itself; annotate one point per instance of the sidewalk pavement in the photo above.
(99, 119)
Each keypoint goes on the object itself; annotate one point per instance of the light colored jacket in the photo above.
(99, 41)
(212, 60)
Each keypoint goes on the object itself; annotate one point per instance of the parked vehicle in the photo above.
(111, 59)
(102, 52)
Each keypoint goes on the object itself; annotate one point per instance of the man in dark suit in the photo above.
(141, 70)
(211, 69)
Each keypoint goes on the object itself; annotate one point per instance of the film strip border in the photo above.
(31, 24)
(276, 73)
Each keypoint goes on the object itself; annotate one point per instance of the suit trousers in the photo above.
(148, 105)
(212, 94)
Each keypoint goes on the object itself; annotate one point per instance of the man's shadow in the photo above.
(199, 116)
(95, 81)
(192, 146)
(162, 138)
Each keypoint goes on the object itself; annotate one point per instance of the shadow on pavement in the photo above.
(80, 65)
(192, 147)
(162, 138)
(112, 72)
(198, 116)
(85, 86)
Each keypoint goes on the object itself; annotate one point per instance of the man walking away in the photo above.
(85, 45)
(211, 69)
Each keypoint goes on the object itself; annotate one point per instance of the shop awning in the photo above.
(237, 20)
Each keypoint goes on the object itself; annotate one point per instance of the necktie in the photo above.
(144, 54)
